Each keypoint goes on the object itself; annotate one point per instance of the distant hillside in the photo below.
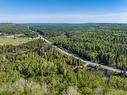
(9, 28)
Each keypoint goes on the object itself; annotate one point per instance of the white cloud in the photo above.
(66, 18)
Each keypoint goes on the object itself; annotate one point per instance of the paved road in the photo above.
(87, 63)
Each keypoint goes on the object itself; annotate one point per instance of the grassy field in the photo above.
(12, 41)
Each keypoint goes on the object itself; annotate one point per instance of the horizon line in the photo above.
(65, 18)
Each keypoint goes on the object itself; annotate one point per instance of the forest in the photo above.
(36, 68)
(101, 43)
(13, 29)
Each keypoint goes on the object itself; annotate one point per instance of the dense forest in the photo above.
(10, 28)
(37, 68)
(13, 29)
(101, 43)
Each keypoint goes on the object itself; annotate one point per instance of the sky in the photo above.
(63, 11)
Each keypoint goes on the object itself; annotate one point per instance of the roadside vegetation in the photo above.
(101, 43)
(36, 68)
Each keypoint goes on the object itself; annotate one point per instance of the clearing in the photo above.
(10, 40)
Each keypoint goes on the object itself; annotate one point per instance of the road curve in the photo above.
(88, 63)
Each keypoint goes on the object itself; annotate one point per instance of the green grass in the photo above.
(12, 41)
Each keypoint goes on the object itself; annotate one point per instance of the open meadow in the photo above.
(13, 41)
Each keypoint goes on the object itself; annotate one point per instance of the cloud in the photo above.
(65, 18)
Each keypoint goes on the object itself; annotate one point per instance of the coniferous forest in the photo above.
(37, 68)
(101, 43)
